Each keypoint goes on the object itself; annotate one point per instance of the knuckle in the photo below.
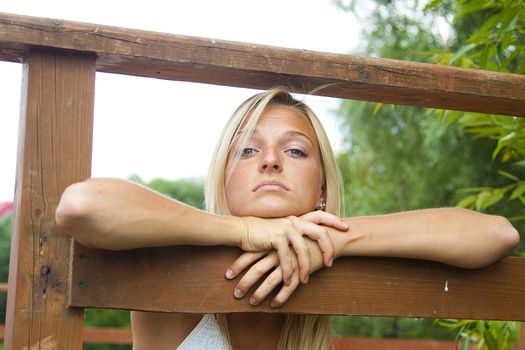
(273, 280)
(302, 249)
(259, 270)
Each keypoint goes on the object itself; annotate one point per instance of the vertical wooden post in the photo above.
(54, 150)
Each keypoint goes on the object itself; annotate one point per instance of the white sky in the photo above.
(157, 128)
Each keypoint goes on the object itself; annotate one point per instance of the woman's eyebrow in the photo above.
(295, 133)
(289, 133)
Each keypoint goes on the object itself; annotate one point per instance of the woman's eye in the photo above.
(247, 152)
(295, 152)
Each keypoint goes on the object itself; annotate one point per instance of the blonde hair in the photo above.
(299, 331)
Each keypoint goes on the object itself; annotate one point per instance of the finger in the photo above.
(316, 233)
(272, 281)
(285, 293)
(285, 261)
(242, 262)
(268, 285)
(319, 234)
(254, 274)
(323, 218)
(303, 257)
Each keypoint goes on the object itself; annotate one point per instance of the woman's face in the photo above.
(279, 171)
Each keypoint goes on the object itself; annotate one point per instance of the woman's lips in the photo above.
(270, 186)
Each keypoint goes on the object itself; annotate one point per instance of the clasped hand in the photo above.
(292, 246)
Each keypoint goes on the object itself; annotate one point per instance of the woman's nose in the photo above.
(270, 161)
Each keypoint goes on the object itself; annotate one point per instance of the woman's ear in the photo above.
(321, 204)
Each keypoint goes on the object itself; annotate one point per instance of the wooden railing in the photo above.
(50, 282)
(123, 336)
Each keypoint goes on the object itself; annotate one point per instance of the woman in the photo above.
(273, 183)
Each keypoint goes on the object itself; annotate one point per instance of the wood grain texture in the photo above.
(176, 57)
(54, 151)
(123, 336)
(190, 279)
(98, 336)
(362, 343)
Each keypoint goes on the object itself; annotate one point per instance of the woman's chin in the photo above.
(271, 211)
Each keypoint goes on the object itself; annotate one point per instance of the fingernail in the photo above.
(274, 304)
(306, 279)
(237, 293)
(229, 274)
(345, 225)
(330, 262)
(253, 301)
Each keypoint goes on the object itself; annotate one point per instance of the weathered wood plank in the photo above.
(176, 57)
(362, 343)
(190, 279)
(123, 336)
(98, 335)
(54, 151)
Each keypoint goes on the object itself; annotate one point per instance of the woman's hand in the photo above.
(264, 262)
(262, 234)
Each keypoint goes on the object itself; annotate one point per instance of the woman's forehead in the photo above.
(285, 120)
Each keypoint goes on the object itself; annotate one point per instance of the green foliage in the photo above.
(5, 243)
(189, 191)
(498, 44)
(400, 158)
(497, 335)
(389, 327)
(403, 159)
(106, 318)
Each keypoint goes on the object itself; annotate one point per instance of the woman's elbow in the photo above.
(72, 211)
(71, 207)
(508, 236)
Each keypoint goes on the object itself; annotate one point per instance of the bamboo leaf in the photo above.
(509, 19)
(508, 175)
(467, 201)
(461, 52)
(506, 156)
(475, 6)
(377, 108)
(518, 191)
(491, 342)
(481, 199)
(475, 189)
(431, 5)
(494, 198)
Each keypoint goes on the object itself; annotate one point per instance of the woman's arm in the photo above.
(117, 215)
(453, 236)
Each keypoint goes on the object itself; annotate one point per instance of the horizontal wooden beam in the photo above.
(190, 280)
(123, 336)
(175, 57)
(365, 343)
(98, 335)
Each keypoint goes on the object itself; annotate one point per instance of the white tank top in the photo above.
(206, 335)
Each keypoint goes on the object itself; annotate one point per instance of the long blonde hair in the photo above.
(299, 331)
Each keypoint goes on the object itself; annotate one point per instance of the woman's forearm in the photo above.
(454, 236)
(117, 214)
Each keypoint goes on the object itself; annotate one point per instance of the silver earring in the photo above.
(321, 206)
